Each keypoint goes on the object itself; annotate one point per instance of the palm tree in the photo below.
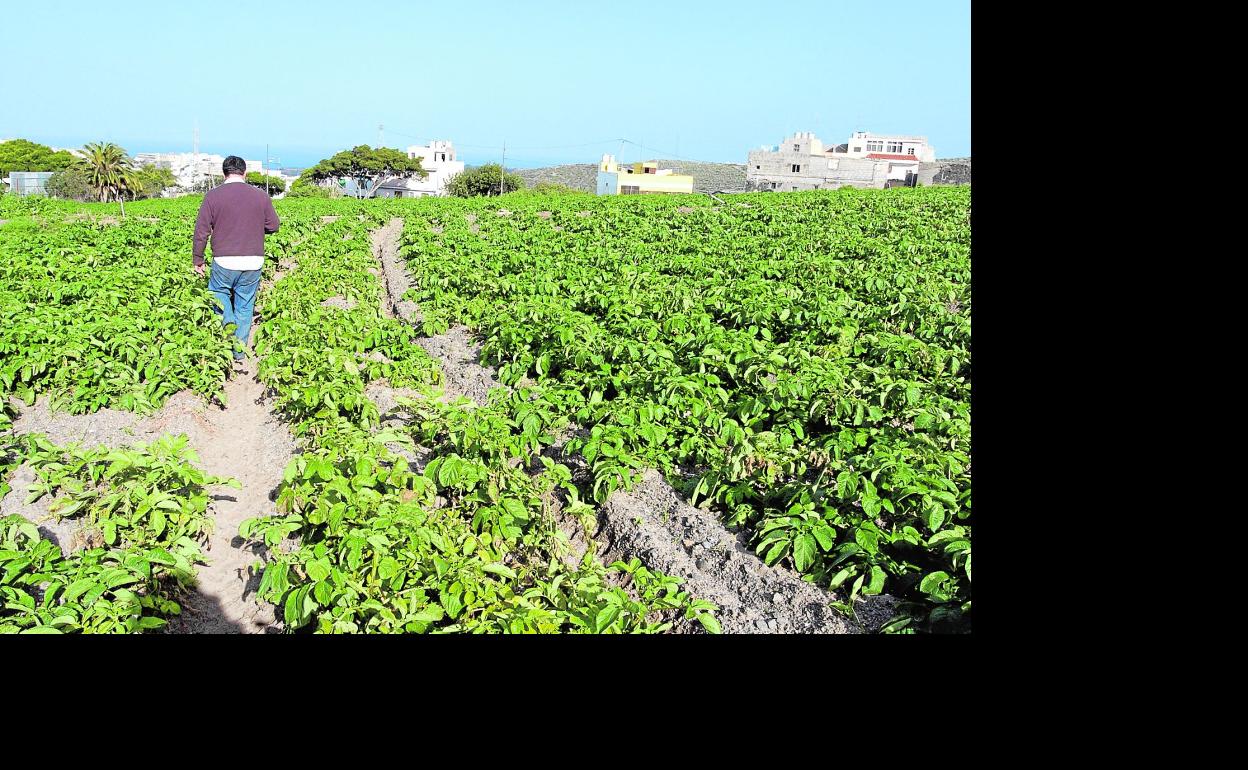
(109, 172)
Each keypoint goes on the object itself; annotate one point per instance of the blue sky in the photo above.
(559, 82)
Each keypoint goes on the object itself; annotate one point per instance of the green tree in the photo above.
(302, 188)
(367, 167)
(24, 155)
(275, 185)
(483, 180)
(207, 183)
(152, 181)
(110, 173)
(70, 184)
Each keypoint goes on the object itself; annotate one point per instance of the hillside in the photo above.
(954, 171)
(707, 177)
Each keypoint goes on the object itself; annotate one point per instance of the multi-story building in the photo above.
(644, 178)
(190, 168)
(438, 158)
(864, 144)
(187, 167)
(802, 162)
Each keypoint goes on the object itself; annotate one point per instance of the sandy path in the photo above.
(251, 445)
(244, 440)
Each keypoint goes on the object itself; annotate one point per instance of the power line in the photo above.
(667, 155)
(499, 147)
(641, 147)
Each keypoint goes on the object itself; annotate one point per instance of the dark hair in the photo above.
(234, 165)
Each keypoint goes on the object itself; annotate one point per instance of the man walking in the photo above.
(237, 216)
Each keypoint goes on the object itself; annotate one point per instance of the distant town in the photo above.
(800, 161)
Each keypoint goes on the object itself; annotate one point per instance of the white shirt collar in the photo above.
(232, 180)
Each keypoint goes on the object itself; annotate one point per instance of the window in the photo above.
(629, 189)
(858, 149)
(875, 146)
(797, 148)
(757, 167)
(894, 147)
(796, 167)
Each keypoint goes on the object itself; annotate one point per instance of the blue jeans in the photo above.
(235, 290)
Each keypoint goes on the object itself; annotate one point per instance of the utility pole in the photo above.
(502, 168)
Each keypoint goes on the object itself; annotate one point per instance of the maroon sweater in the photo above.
(237, 216)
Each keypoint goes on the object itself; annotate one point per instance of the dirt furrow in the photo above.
(652, 521)
(458, 353)
(244, 440)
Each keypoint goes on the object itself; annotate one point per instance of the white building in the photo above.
(438, 158)
(864, 144)
(802, 162)
(189, 168)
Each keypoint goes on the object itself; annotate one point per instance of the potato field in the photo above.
(519, 414)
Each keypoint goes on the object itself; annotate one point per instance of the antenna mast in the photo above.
(502, 168)
(195, 154)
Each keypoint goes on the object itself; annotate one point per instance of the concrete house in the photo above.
(864, 144)
(438, 158)
(803, 162)
(644, 178)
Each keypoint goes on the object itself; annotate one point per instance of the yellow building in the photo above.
(639, 179)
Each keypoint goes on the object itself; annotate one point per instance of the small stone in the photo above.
(777, 599)
(688, 544)
(761, 625)
(772, 624)
(702, 564)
